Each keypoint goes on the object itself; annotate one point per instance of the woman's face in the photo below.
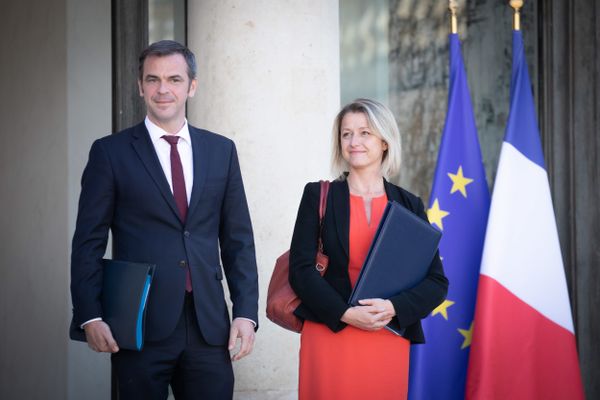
(362, 148)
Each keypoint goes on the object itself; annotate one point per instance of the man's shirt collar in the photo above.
(157, 132)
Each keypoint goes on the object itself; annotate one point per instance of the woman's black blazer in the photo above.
(325, 299)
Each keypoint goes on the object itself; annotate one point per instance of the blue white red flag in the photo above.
(523, 343)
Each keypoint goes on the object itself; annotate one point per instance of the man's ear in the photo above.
(193, 87)
(141, 89)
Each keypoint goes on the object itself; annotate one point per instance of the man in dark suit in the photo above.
(172, 195)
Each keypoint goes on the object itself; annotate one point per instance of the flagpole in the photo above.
(453, 6)
(516, 5)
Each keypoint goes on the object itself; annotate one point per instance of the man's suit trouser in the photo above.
(193, 368)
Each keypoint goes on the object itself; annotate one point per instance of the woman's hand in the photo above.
(370, 315)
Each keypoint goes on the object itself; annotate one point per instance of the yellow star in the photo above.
(468, 334)
(459, 182)
(435, 215)
(443, 309)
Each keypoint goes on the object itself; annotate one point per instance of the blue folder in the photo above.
(398, 259)
(125, 290)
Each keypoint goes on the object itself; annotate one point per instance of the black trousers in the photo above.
(193, 368)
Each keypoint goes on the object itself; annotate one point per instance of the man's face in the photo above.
(165, 87)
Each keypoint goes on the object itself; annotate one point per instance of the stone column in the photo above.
(268, 76)
(33, 249)
(88, 117)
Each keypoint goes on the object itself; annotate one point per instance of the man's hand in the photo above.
(99, 337)
(371, 315)
(243, 329)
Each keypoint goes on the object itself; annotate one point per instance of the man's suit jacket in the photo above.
(325, 299)
(124, 189)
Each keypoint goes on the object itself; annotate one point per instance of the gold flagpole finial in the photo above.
(453, 6)
(516, 4)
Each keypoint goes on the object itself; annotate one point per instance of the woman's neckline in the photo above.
(377, 196)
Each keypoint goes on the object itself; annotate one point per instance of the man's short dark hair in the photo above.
(166, 48)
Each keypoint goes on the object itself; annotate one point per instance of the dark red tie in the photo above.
(179, 193)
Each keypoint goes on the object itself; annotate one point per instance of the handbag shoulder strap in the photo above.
(322, 209)
(323, 200)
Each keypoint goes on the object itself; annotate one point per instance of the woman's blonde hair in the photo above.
(382, 123)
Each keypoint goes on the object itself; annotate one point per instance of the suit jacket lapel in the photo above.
(340, 199)
(145, 150)
(201, 166)
(392, 192)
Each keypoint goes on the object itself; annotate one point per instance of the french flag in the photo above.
(523, 344)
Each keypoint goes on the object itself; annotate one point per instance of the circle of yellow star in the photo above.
(459, 182)
(435, 214)
(468, 335)
(443, 309)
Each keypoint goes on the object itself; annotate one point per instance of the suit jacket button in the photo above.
(183, 263)
(186, 234)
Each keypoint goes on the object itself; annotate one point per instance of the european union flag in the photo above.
(459, 207)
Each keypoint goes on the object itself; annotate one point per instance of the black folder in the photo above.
(125, 290)
(399, 257)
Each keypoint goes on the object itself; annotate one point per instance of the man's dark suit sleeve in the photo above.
(237, 245)
(96, 204)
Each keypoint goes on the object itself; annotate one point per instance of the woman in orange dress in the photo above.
(345, 353)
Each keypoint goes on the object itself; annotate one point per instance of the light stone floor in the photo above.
(266, 395)
(262, 395)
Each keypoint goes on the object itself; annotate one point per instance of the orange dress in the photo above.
(353, 363)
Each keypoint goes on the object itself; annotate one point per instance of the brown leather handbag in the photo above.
(281, 298)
